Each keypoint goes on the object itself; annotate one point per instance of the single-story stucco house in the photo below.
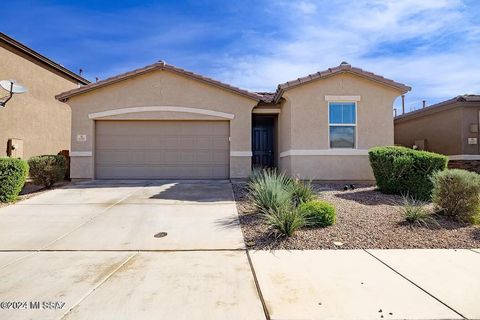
(450, 127)
(163, 122)
(34, 123)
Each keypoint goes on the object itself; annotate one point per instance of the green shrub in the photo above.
(301, 192)
(285, 220)
(457, 193)
(415, 212)
(48, 169)
(13, 173)
(318, 213)
(270, 190)
(400, 170)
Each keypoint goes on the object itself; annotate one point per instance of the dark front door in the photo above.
(262, 142)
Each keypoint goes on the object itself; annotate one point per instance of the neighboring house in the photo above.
(34, 123)
(161, 121)
(450, 127)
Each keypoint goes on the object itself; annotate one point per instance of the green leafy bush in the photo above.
(318, 213)
(13, 173)
(270, 190)
(415, 212)
(48, 169)
(457, 193)
(400, 170)
(285, 220)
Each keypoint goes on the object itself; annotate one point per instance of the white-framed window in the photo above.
(342, 120)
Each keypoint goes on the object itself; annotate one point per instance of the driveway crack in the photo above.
(108, 276)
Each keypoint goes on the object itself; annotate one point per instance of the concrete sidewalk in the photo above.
(369, 284)
(88, 251)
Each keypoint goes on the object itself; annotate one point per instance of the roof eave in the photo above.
(32, 53)
(287, 85)
(157, 66)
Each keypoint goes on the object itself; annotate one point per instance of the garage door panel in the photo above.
(162, 150)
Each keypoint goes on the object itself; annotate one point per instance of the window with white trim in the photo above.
(342, 124)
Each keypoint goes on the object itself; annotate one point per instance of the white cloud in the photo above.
(305, 7)
(415, 42)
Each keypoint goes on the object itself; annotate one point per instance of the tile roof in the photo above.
(161, 65)
(266, 97)
(344, 67)
(32, 53)
(466, 98)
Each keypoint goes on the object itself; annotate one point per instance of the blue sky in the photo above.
(431, 45)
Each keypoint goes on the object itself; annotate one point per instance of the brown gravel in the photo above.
(366, 219)
(30, 190)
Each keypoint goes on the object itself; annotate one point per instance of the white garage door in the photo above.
(162, 150)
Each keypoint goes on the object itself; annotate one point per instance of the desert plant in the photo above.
(457, 194)
(400, 170)
(317, 213)
(301, 192)
(285, 220)
(270, 190)
(48, 169)
(415, 212)
(13, 173)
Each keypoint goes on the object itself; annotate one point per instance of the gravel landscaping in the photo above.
(366, 219)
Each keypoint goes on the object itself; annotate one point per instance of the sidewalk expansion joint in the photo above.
(257, 285)
(416, 285)
(477, 252)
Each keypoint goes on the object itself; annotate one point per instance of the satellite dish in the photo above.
(12, 86)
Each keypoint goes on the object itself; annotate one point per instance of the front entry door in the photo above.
(262, 143)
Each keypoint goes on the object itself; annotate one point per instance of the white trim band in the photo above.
(241, 153)
(464, 157)
(325, 152)
(266, 111)
(342, 98)
(80, 153)
(115, 112)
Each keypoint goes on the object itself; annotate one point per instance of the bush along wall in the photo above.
(13, 173)
(48, 169)
(457, 194)
(400, 170)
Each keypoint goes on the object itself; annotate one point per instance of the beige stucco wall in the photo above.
(442, 130)
(304, 128)
(470, 116)
(36, 118)
(160, 88)
(445, 129)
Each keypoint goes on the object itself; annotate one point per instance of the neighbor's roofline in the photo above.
(461, 100)
(342, 68)
(32, 53)
(156, 66)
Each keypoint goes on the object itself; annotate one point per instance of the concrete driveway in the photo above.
(89, 251)
(119, 215)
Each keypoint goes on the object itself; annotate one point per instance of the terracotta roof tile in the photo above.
(267, 96)
(161, 65)
(462, 98)
(342, 68)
